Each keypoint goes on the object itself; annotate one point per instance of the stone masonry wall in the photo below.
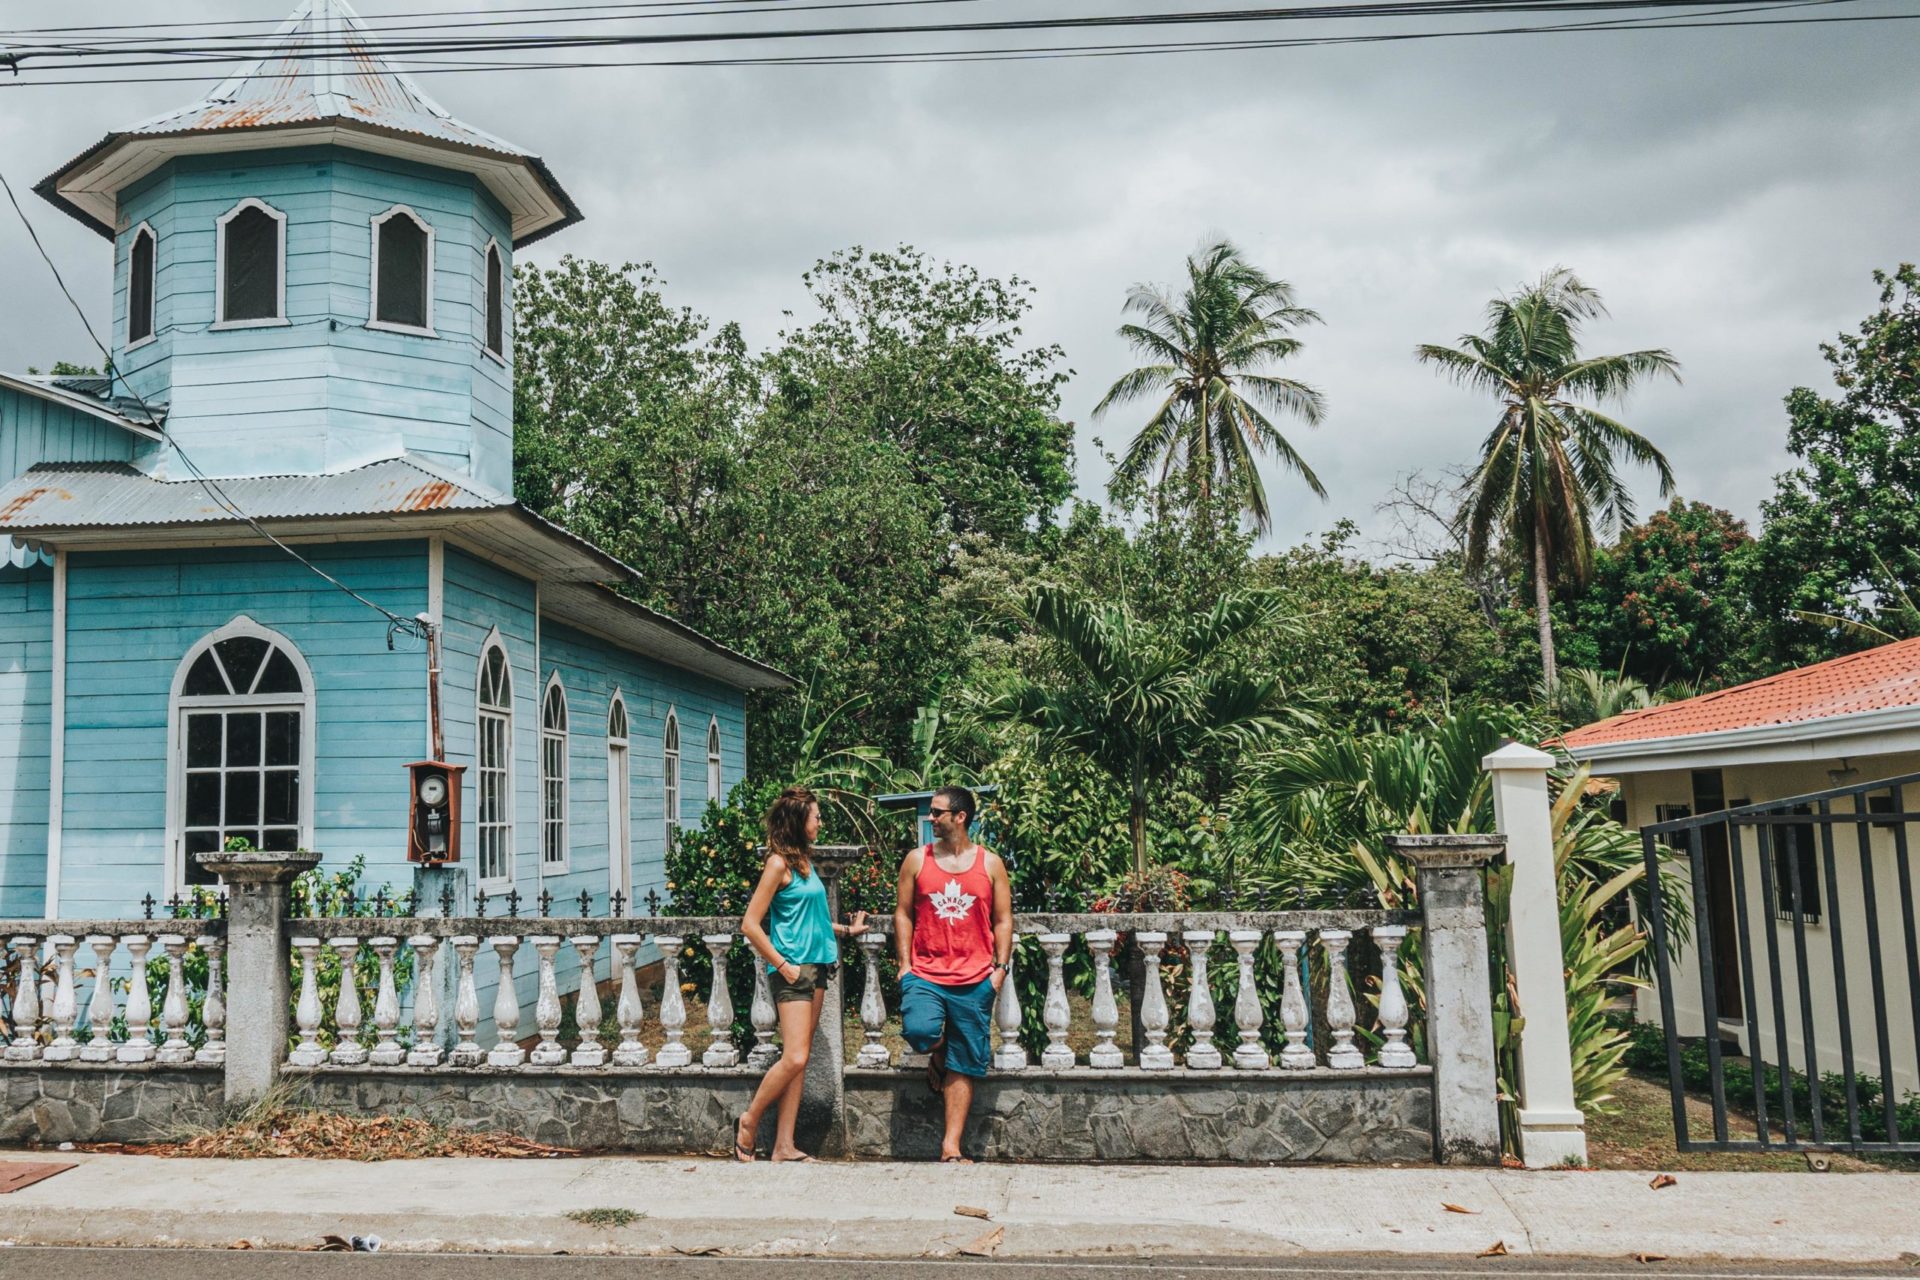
(1103, 1116)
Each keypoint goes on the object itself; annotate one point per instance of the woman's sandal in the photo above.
(743, 1152)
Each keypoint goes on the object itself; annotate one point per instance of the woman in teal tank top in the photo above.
(788, 925)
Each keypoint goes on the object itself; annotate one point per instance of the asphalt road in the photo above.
(196, 1264)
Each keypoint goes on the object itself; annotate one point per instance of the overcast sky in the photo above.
(1728, 191)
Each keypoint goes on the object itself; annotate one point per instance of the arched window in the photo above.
(140, 286)
(619, 802)
(496, 301)
(714, 792)
(402, 272)
(670, 773)
(252, 253)
(553, 778)
(242, 736)
(493, 727)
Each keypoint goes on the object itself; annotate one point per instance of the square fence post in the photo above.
(257, 990)
(1466, 1106)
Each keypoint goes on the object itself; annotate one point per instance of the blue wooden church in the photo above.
(308, 419)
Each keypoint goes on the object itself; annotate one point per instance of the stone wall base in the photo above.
(1037, 1116)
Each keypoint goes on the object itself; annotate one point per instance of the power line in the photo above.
(396, 624)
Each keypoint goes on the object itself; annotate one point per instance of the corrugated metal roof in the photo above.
(1878, 679)
(93, 495)
(91, 395)
(307, 82)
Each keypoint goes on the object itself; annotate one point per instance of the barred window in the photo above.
(670, 773)
(496, 302)
(494, 730)
(402, 270)
(253, 250)
(553, 778)
(140, 287)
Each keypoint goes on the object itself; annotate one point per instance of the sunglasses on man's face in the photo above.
(939, 813)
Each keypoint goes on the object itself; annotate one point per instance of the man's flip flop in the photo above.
(955, 1160)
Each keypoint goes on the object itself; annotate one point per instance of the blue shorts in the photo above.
(963, 1015)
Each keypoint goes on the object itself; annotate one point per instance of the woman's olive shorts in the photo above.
(810, 979)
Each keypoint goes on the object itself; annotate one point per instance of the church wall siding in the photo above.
(26, 693)
(36, 430)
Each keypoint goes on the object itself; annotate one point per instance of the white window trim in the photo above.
(564, 738)
(175, 878)
(716, 771)
(373, 281)
(153, 289)
(670, 796)
(619, 852)
(494, 883)
(220, 320)
(493, 250)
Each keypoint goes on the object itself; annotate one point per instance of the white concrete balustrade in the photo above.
(87, 998)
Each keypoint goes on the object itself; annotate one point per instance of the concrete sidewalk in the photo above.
(907, 1211)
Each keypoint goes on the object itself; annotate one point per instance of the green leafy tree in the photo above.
(1669, 602)
(1548, 476)
(1208, 350)
(1145, 698)
(1841, 533)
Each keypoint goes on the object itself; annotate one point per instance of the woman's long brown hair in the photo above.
(786, 828)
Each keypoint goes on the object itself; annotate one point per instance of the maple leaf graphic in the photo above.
(952, 903)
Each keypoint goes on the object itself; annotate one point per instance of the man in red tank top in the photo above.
(953, 929)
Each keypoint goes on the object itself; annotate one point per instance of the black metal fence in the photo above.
(1788, 898)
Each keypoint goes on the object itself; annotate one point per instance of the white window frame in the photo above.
(153, 288)
(482, 711)
(487, 255)
(220, 321)
(373, 280)
(619, 801)
(174, 878)
(670, 773)
(554, 747)
(716, 778)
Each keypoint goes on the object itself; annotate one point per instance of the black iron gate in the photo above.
(1782, 879)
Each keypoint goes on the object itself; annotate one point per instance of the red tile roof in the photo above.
(1875, 680)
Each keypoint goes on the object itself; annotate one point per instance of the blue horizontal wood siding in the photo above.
(26, 693)
(36, 430)
(132, 617)
(324, 391)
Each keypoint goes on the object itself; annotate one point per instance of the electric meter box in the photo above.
(433, 812)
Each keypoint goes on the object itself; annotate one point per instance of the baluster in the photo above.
(721, 1052)
(1155, 1055)
(386, 1008)
(1249, 1054)
(306, 1010)
(1011, 1055)
(627, 1010)
(546, 1005)
(66, 1009)
(100, 1005)
(764, 1019)
(173, 1009)
(1396, 1052)
(673, 1007)
(426, 1051)
(873, 1004)
(1294, 1055)
(506, 1006)
(1056, 1013)
(26, 1001)
(1204, 1055)
(586, 1005)
(347, 1015)
(139, 1044)
(1341, 1054)
(1106, 1014)
(213, 1009)
(466, 1006)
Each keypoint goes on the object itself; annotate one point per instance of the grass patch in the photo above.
(605, 1217)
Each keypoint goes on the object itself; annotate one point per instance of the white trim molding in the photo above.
(374, 321)
(153, 289)
(57, 745)
(499, 711)
(179, 702)
(220, 320)
(559, 740)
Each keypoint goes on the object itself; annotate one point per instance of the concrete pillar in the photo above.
(1552, 1130)
(1466, 1121)
(823, 1096)
(257, 992)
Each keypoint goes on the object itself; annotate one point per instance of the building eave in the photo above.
(1881, 731)
(79, 403)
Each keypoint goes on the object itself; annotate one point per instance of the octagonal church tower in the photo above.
(313, 266)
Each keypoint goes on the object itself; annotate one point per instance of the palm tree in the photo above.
(1209, 348)
(1547, 475)
(1145, 698)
